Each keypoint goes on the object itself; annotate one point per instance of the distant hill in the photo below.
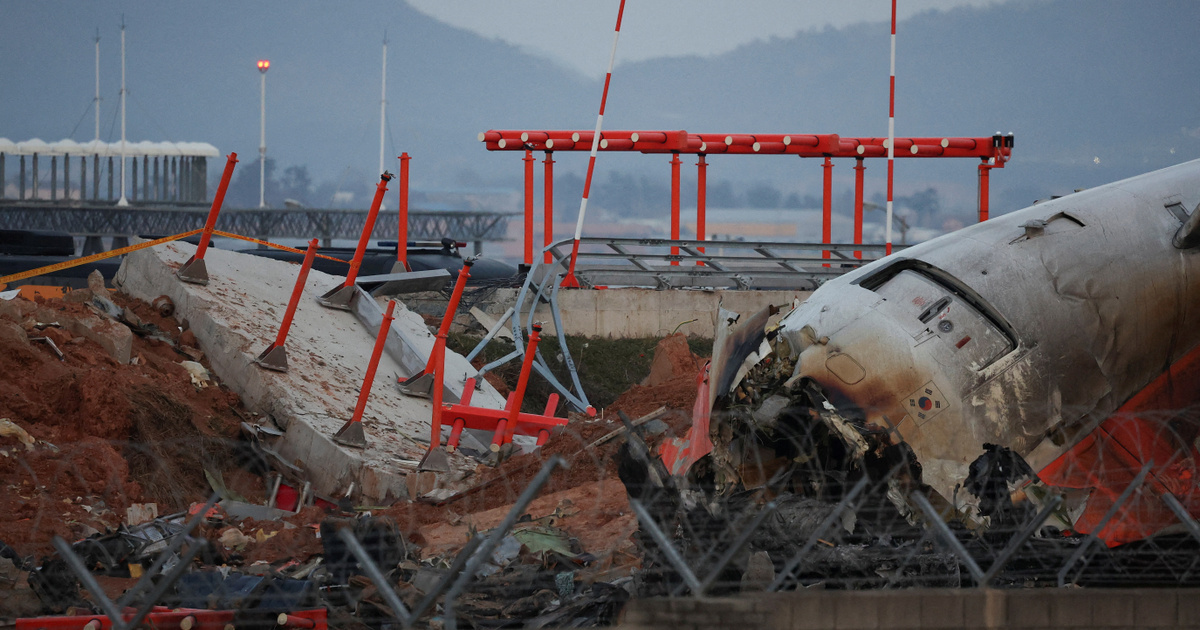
(1094, 90)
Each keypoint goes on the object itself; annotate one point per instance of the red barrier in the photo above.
(275, 356)
(402, 226)
(503, 424)
(351, 433)
(194, 270)
(160, 617)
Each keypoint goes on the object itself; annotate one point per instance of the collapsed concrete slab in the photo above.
(238, 314)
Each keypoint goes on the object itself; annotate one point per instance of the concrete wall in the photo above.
(628, 313)
(1023, 609)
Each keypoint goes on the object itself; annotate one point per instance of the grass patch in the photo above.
(607, 367)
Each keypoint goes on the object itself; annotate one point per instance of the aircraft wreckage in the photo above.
(1053, 351)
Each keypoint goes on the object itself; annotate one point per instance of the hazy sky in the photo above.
(579, 33)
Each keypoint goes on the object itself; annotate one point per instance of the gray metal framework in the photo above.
(632, 262)
(108, 220)
(744, 265)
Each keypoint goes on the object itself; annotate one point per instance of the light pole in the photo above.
(263, 65)
(122, 201)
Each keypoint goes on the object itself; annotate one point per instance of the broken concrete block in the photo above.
(139, 513)
(760, 572)
(96, 282)
(116, 339)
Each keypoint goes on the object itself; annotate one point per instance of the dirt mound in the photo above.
(105, 434)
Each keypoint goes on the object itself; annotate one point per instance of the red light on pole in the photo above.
(263, 64)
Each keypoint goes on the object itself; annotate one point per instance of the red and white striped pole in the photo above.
(891, 134)
(569, 280)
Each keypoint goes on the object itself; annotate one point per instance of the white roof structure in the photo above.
(96, 147)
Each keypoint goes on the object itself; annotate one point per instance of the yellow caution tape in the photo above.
(133, 248)
(40, 271)
(275, 245)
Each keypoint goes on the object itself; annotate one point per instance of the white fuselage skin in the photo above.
(1027, 337)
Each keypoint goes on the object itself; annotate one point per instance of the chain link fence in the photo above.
(566, 535)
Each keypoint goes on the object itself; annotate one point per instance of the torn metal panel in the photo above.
(1025, 335)
(1002, 334)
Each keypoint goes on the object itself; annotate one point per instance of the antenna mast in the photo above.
(123, 201)
(97, 102)
(383, 102)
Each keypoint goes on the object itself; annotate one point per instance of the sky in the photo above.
(578, 34)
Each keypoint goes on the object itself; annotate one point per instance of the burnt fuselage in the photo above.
(1026, 331)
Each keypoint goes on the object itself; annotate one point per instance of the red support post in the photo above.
(827, 206)
(548, 204)
(194, 270)
(351, 433)
(438, 358)
(275, 356)
(984, 172)
(701, 201)
(528, 258)
(675, 204)
(309, 255)
(858, 204)
(505, 428)
(368, 227)
(421, 384)
(402, 227)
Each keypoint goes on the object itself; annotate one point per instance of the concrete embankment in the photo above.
(237, 315)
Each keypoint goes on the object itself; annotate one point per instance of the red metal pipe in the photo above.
(859, 168)
(438, 357)
(648, 136)
(218, 200)
(455, 296)
(804, 145)
(548, 204)
(380, 339)
(616, 144)
(368, 227)
(402, 227)
(309, 255)
(769, 147)
(827, 206)
(967, 144)
(675, 205)
(551, 405)
(291, 621)
(802, 140)
(528, 207)
(701, 201)
(505, 428)
(455, 433)
(984, 171)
